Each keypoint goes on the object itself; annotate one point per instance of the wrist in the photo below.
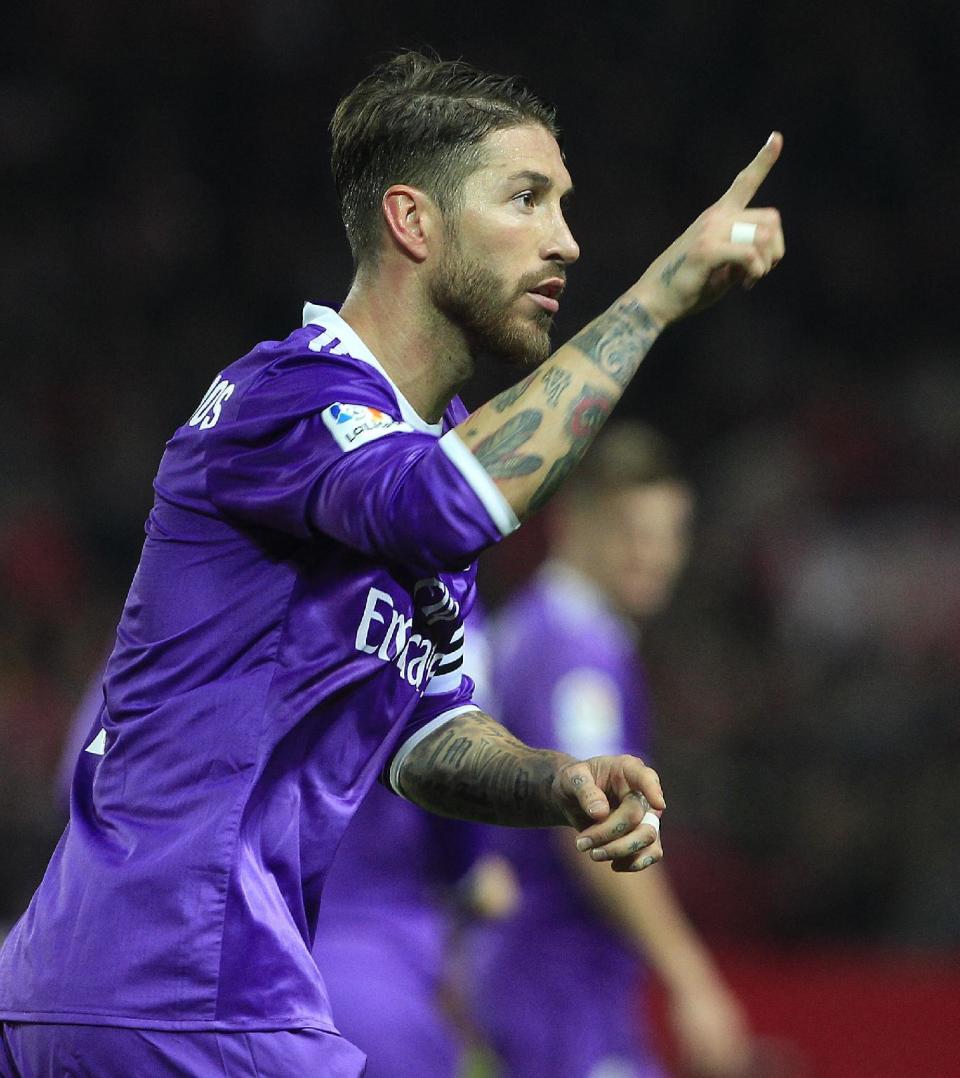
(652, 297)
(557, 803)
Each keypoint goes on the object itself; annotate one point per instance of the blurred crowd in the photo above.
(166, 203)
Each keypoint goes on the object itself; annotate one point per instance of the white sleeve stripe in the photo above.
(480, 482)
(414, 739)
(457, 636)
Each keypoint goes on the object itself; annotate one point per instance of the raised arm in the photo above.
(473, 768)
(530, 436)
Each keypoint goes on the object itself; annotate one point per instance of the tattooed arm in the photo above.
(531, 436)
(473, 768)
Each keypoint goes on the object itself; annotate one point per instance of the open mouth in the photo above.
(547, 294)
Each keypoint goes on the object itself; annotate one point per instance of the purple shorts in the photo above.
(36, 1050)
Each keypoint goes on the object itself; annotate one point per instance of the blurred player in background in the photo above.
(295, 625)
(567, 668)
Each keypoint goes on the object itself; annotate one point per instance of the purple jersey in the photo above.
(385, 919)
(296, 616)
(567, 676)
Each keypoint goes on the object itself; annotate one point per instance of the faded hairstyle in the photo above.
(419, 120)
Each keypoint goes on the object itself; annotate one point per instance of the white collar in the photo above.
(336, 329)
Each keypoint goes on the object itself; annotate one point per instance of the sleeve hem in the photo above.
(415, 738)
(480, 482)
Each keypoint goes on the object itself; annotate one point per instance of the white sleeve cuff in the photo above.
(480, 482)
(415, 738)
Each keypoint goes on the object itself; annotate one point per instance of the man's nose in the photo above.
(562, 246)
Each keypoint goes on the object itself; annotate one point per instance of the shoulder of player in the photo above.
(292, 374)
(308, 351)
(309, 372)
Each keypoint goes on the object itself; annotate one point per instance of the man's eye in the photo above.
(527, 199)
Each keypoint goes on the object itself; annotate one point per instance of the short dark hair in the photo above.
(419, 120)
(626, 453)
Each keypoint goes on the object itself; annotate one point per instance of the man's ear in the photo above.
(412, 219)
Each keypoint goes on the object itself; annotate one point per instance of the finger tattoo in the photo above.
(637, 796)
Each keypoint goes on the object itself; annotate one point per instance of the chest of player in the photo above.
(417, 627)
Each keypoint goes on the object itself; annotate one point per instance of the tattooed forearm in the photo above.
(671, 271)
(555, 381)
(529, 438)
(499, 454)
(585, 418)
(473, 769)
(502, 401)
(618, 340)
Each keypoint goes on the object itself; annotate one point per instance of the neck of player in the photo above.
(426, 356)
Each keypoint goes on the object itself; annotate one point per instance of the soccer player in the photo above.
(294, 627)
(567, 669)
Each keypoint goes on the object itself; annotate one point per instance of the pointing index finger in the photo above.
(748, 181)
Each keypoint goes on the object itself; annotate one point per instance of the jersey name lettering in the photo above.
(413, 655)
(208, 411)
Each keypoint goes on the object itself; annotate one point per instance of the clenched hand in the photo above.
(612, 801)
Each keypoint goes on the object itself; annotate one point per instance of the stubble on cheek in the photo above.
(472, 296)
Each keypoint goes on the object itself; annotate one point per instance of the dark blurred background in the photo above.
(166, 203)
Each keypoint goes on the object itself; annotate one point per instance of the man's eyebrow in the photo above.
(531, 177)
(538, 179)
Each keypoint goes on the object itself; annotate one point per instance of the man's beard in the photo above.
(474, 299)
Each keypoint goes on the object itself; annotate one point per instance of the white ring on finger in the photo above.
(652, 819)
(743, 232)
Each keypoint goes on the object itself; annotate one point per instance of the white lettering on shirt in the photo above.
(418, 666)
(370, 615)
(208, 411)
(415, 657)
(400, 626)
